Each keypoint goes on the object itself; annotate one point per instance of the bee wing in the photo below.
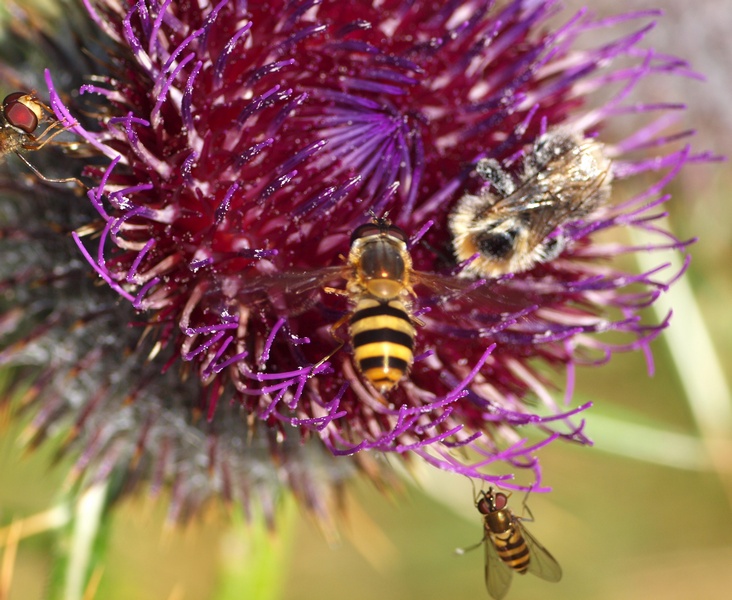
(555, 193)
(498, 574)
(541, 563)
(288, 291)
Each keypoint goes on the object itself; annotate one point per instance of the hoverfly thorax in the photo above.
(493, 508)
(380, 259)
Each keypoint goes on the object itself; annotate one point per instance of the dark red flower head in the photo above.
(245, 142)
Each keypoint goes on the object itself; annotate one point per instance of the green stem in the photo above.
(254, 558)
(81, 545)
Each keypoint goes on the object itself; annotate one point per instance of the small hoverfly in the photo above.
(510, 547)
(21, 115)
(379, 284)
(513, 225)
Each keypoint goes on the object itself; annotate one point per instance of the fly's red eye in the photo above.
(500, 501)
(13, 97)
(19, 115)
(484, 507)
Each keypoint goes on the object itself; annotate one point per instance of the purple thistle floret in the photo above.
(246, 141)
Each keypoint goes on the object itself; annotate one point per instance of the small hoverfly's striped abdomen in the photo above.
(383, 341)
(512, 549)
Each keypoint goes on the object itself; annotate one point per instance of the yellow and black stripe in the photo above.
(382, 335)
(512, 549)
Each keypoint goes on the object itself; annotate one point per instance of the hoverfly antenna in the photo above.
(382, 221)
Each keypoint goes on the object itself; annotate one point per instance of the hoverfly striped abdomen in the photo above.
(382, 335)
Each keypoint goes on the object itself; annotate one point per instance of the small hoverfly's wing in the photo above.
(288, 291)
(541, 563)
(498, 574)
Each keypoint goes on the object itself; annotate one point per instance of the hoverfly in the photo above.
(21, 115)
(510, 547)
(513, 225)
(379, 285)
(381, 326)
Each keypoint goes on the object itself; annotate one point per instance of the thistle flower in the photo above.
(235, 148)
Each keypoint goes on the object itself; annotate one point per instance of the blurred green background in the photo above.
(645, 513)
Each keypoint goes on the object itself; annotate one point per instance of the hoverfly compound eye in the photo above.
(500, 501)
(14, 97)
(19, 114)
(397, 232)
(364, 231)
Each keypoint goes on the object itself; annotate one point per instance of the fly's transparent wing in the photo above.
(290, 292)
(541, 563)
(491, 297)
(498, 574)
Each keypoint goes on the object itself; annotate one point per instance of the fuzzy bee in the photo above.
(518, 222)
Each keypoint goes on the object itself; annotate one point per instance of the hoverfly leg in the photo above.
(337, 292)
(43, 139)
(527, 511)
(333, 329)
(48, 179)
(461, 551)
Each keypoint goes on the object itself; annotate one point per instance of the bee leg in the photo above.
(549, 148)
(552, 247)
(491, 170)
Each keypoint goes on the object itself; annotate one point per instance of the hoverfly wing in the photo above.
(498, 575)
(541, 563)
(290, 292)
(490, 296)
